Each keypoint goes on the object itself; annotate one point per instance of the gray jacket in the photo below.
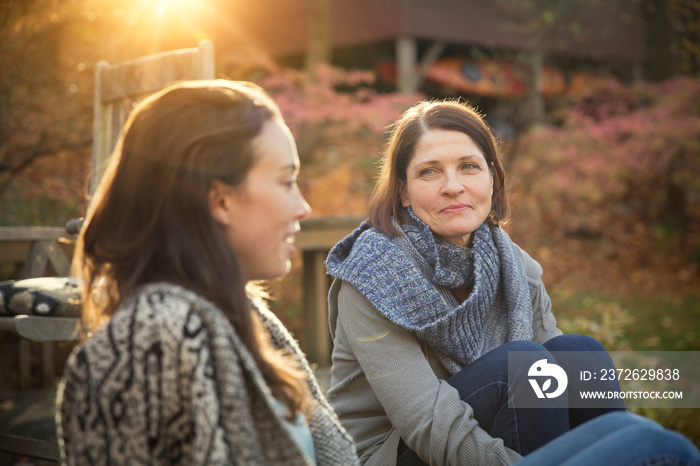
(387, 385)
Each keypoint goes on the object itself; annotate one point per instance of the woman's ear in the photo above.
(405, 200)
(219, 203)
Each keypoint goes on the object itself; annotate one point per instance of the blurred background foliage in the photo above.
(607, 198)
(605, 185)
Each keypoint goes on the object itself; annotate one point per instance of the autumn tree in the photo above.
(41, 113)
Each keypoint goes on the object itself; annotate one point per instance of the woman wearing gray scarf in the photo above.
(429, 296)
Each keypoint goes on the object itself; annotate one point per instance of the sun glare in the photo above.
(168, 6)
(169, 20)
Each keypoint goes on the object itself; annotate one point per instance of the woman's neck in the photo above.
(461, 294)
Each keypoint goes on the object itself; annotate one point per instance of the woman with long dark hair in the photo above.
(183, 362)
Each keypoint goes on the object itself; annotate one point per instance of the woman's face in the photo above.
(449, 185)
(261, 216)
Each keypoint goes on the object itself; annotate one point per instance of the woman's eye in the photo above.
(470, 166)
(426, 172)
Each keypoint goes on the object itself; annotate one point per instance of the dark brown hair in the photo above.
(385, 203)
(150, 218)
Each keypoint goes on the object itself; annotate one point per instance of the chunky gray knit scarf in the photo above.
(409, 278)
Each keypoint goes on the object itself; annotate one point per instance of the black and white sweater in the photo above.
(168, 381)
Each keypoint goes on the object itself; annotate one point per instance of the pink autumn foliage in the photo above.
(621, 167)
(342, 100)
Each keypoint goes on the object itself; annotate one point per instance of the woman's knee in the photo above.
(499, 357)
(522, 362)
(573, 342)
(580, 352)
(521, 345)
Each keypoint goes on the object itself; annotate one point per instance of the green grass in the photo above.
(638, 323)
(37, 211)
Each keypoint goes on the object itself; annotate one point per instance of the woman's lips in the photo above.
(454, 209)
(291, 249)
(289, 242)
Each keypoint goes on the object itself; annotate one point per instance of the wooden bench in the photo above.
(35, 251)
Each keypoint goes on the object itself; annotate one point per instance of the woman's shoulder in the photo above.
(532, 268)
(156, 314)
(281, 338)
(364, 244)
(162, 305)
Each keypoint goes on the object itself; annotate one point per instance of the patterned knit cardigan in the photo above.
(168, 381)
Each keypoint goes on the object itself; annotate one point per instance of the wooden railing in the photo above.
(50, 245)
(317, 237)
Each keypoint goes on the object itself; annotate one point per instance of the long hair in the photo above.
(150, 219)
(385, 203)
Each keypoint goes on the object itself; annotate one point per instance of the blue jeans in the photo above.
(618, 439)
(484, 384)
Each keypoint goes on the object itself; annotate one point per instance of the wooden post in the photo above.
(24, 368)
(317, 339)
(411, 72)
(534, 99)
(36, 260)
(101, 129)
(406, 60)
(9, 348)
(317, 237)
(206, 60)
(48, 364)
(318, 49)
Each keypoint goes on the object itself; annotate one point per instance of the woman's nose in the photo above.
(452, 185)
(303, 208)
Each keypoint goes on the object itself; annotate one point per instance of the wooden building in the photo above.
(415, 33)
